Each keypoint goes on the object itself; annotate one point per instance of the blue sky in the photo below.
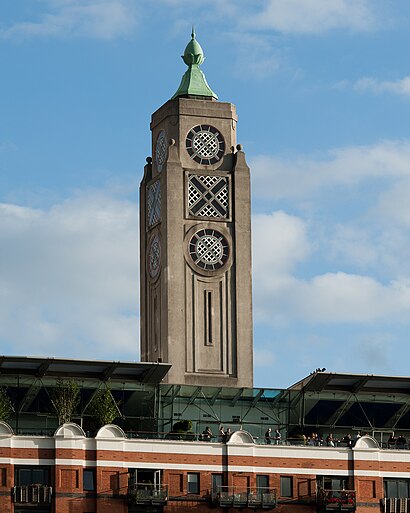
(322, 89)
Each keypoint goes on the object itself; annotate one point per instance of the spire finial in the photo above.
(193, 83)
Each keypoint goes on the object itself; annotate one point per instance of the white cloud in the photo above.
(300, 176)
(100, 19)
(332, 297)
(400, 87)
(394, 202)
(342, 297)
(316, 16)
(353, 245)
(279, 241)
(69, 278)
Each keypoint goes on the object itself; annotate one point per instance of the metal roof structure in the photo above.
(71, 368)
(353, 383)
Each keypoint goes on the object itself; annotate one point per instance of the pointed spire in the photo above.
(193, 83)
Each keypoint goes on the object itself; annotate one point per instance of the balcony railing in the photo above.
(146, 493)
(396, 505)
(231, 497)
(32, 494)
(336, 500)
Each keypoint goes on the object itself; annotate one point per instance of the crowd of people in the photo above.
(398, 442)
(223, 435)
(314, 439)
(330, 441)
(275, 438)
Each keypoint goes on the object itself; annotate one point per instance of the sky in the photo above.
(322, 90)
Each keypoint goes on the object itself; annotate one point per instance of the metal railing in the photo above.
(395, 505)
(336, 500)
(32, 494)
(148, 493)
(231, 497)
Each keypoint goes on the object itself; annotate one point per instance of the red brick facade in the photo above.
(110, 459)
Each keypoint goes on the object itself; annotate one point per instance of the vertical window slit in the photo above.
(155, 323)
(208, 318)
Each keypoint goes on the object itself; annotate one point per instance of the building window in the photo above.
(398, 488)
(262, 483)
(286, 486)
(332, 482)
(89, 479)
(217, 481)
(193, 483)
(25, 476)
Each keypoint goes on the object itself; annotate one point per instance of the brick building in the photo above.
(142, 462)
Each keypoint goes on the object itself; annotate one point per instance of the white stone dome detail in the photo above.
(366, 442)
(110, 431)
(69, 430)
(241, 437)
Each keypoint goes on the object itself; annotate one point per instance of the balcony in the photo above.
(336, 500)
(32, 494)
(396, 505)
(148, 494)
(231, 497)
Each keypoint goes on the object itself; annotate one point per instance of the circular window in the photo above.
(208, 249)
(205, 144)
(154, 257)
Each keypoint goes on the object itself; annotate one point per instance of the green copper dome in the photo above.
(193, 52)
(193, 83)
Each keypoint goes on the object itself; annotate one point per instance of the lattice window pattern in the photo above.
(208, 196)
(154, 257)
(161, 150)
(209, 249)
(205, 144)
(154, 203)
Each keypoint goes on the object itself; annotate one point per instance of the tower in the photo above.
(195, 239)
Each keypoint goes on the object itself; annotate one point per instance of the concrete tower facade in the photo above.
(195, 239)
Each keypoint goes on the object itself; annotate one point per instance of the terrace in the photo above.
(336, 500)
(32, 494)
(146, 494)
(231, 497)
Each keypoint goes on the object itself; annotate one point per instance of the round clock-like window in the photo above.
(154, 257)
(208, 249)
(161, 150)
(205, 144)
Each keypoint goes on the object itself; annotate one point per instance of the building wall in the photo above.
(240, 463)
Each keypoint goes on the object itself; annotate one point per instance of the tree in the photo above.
(182, 426)
(104, 407)
(6, 407)
(65, 399)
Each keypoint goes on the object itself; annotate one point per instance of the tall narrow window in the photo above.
(262, 483)
(193, 483)
(208, 317)
(286, 486)
(89, 479)
(155, 324)
(217, 480)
